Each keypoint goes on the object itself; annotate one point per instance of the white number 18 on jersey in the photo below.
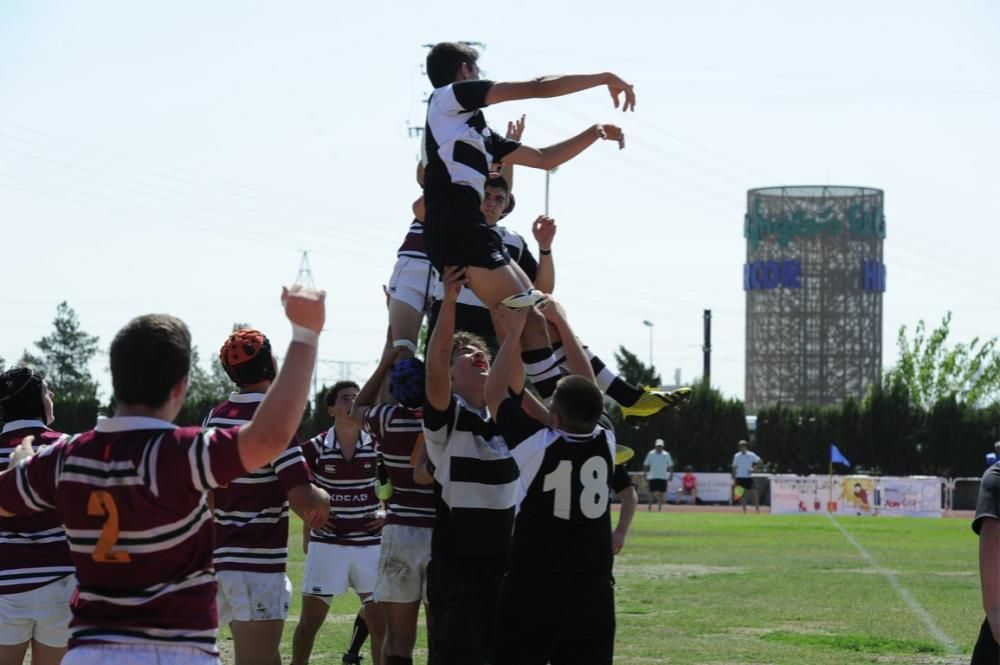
(593, 497)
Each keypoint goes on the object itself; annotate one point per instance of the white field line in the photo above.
(935, 630)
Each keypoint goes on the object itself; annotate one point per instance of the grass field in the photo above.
(727, 588)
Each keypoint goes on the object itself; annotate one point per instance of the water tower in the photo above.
(814, 279)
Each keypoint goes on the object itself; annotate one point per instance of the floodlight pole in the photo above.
(649, 324)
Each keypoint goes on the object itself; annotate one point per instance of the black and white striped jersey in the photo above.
(475, 480)
(563, 522)
(458, 146)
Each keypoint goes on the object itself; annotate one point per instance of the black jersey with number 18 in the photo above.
(563, 522)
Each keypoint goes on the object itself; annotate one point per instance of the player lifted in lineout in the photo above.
(459, 148)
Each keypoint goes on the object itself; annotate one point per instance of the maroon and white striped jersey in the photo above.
(251, 512)
(33, 550)
(131, 494)
(351, 485)
(397, 432)
(414, 246)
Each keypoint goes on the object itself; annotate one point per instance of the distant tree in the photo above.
(64, 357)
(207, 385)
(932, 371)
(3, 363)
(634, 370)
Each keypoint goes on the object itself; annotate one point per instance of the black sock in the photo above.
(613, 385)
(542, 368)
(623, 392)
(360, 634)
(398, 660)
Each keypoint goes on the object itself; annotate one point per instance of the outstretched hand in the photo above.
(304, 307)
(612, 133)
(617, 87)
(544, 230)
(515, 128)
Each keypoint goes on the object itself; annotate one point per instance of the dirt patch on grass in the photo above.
(873, 644)
(667, 571)
(803, 627)
(922, 660)
(880, 571)
(226, 653)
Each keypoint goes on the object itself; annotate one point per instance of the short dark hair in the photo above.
(445, 59)
(148, 357)
(21, 395)
(578, 403)
(464, 338)
(331, 394)
(497, 181)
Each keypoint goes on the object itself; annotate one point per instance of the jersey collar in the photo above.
(246, 398)
(330, 440)
(130, 423)
(23, 424)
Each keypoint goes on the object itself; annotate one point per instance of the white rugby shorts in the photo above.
(137, 654)
(402, 564)
(411, 282)
(40, 614)
(246, 596)
(332, 569)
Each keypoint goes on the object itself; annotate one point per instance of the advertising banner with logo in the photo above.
(856, 495)
(915, 497)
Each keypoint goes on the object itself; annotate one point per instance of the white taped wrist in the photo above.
(304, 335)
(406, 344)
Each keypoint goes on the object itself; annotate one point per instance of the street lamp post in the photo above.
(547, 175)
(649, 324)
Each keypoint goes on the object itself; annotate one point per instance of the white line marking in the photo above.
(935, 630)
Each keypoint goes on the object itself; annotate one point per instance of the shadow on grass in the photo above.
(859, 643)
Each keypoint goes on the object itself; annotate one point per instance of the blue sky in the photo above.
(179, 157)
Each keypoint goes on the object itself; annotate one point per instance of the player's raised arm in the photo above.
(507, 371)
(558, 154)
(438, 386)
(368, 396)
(276, 419)
(544, 87)
(544, 230)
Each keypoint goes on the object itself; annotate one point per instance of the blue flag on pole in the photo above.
(836, 457)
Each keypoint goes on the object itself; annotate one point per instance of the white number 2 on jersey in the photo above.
(593, 498)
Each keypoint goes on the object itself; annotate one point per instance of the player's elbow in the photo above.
(261, 442)
(547, 160)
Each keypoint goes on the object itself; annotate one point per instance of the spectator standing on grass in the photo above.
(987, 525)
(743, 465)
(659, 468)
(689, 486)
